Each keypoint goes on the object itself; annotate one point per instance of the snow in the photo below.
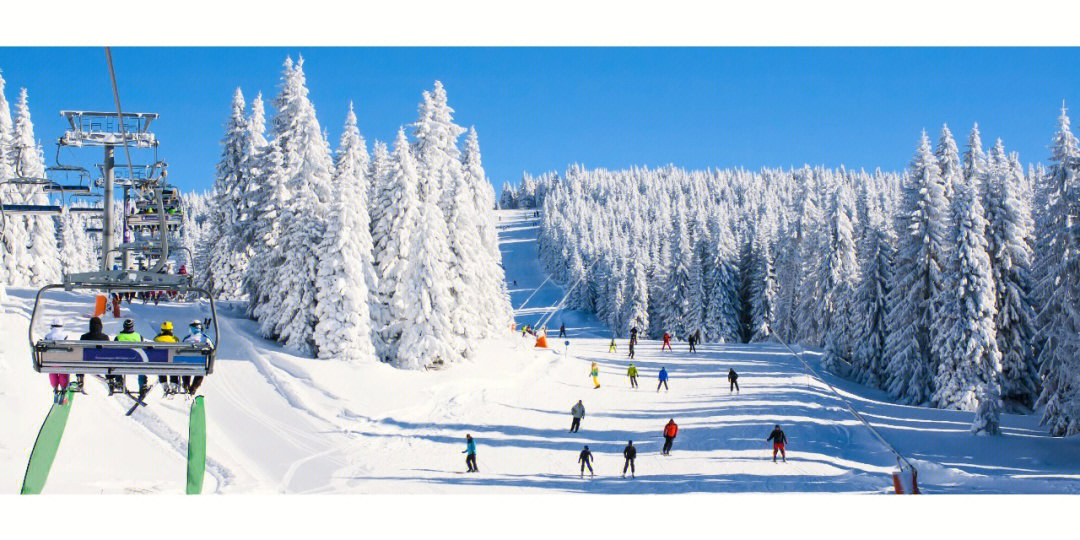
(278, 422)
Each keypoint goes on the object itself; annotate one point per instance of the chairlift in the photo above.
(124, 357)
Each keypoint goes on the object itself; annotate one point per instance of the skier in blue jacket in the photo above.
(470, 453)
(663, 380)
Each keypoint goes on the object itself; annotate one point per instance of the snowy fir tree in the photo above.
(1009, 227)
(345, 270)
(30, 163)
(869, 308)
(394, 228)
(988, 414)
(228, 256)
(763, 295)
(967, 347)
(1059, 317)
(839, 271)
(682, 304)
(918, 280)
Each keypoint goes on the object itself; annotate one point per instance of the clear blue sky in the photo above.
(540, 109)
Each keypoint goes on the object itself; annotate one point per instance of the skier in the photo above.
(691, 340)
(594, 372)
(632, 373)
(611, 346)
(778, 441)
(633, 336)
(670, 430)
(524, 330)
(58, 381)
(130, 335)
(629, 453)
(562, 330)
(195, 335)
(733, 378)
(631, 353)
(166, 336)
(663, 379)
(667, 342)
(585, 458)
(578, 412)
(470, 453)
(95, 334)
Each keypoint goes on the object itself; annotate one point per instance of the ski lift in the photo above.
(124, 357)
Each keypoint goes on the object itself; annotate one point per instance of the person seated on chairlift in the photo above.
(130, 335)
(59, 381)
(171, 384)
(195, 335)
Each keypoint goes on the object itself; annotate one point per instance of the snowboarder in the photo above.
(611, 346)
(667, 342)
(594, 372)
(663, 379)
(633, 335)
(130, 335)
(670, 430)
(578, 412)
(629, 453)
(562, 330)
(691, 340)
(778, 441)
(631, 353)
(166, 336)
(58, 381)
(585, 458)
(470, 453)
(733, 378)
(632, 373)
(195, 335)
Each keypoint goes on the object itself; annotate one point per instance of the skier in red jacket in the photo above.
(670, 431)
(667, 342)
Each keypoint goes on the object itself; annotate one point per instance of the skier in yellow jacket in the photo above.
(594, 372)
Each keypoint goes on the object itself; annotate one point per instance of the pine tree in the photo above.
(394, 231)
(345, 270)
(682, 286)
(1060, 287)
(839, 270)
(870, 304)
(228, 255)
(967, 345)
(722, 290)
(30, 163)
(916, 292)
(763, 287)
(1009, 225)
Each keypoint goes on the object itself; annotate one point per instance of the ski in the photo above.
(138, 400)
(196, 468)
(46, 445)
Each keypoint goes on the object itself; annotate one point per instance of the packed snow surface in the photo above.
(281, 423)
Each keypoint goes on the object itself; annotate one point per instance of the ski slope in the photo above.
(279, 423)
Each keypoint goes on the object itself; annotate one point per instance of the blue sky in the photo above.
(540, 109)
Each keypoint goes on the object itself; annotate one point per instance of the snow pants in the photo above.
(666, 344)
(692, 349)
(574, 425)
(629, 463)
(778, 447)
(470, 461)
(663, 383)
(633, 381)
(595, 381)
(667, 444)
(631, 354)
(59, 381)
(585, 463)
(734, 386)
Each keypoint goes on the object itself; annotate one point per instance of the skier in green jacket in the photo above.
(632, 373)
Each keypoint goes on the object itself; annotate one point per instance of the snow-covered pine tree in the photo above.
(227, 255)
(1008, 228)
(918, 280)
(967, 347)
(975, 164)
(1059, 358)
(345, 270)
(30, 163)
(683, 291)
(809, 222)
(394, 230)
(839, 268)
(267, 210)
(988, 414)
(722, 278)
(763, 295)
(948, 158)
(496, 310)
(870, 304)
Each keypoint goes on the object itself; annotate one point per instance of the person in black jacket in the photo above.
(692, 340)
(585, 458)
(562, 329)
(95, 334)
(629, 453)
(778, 441)
(733, 378)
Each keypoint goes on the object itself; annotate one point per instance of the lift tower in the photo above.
(108, 130)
